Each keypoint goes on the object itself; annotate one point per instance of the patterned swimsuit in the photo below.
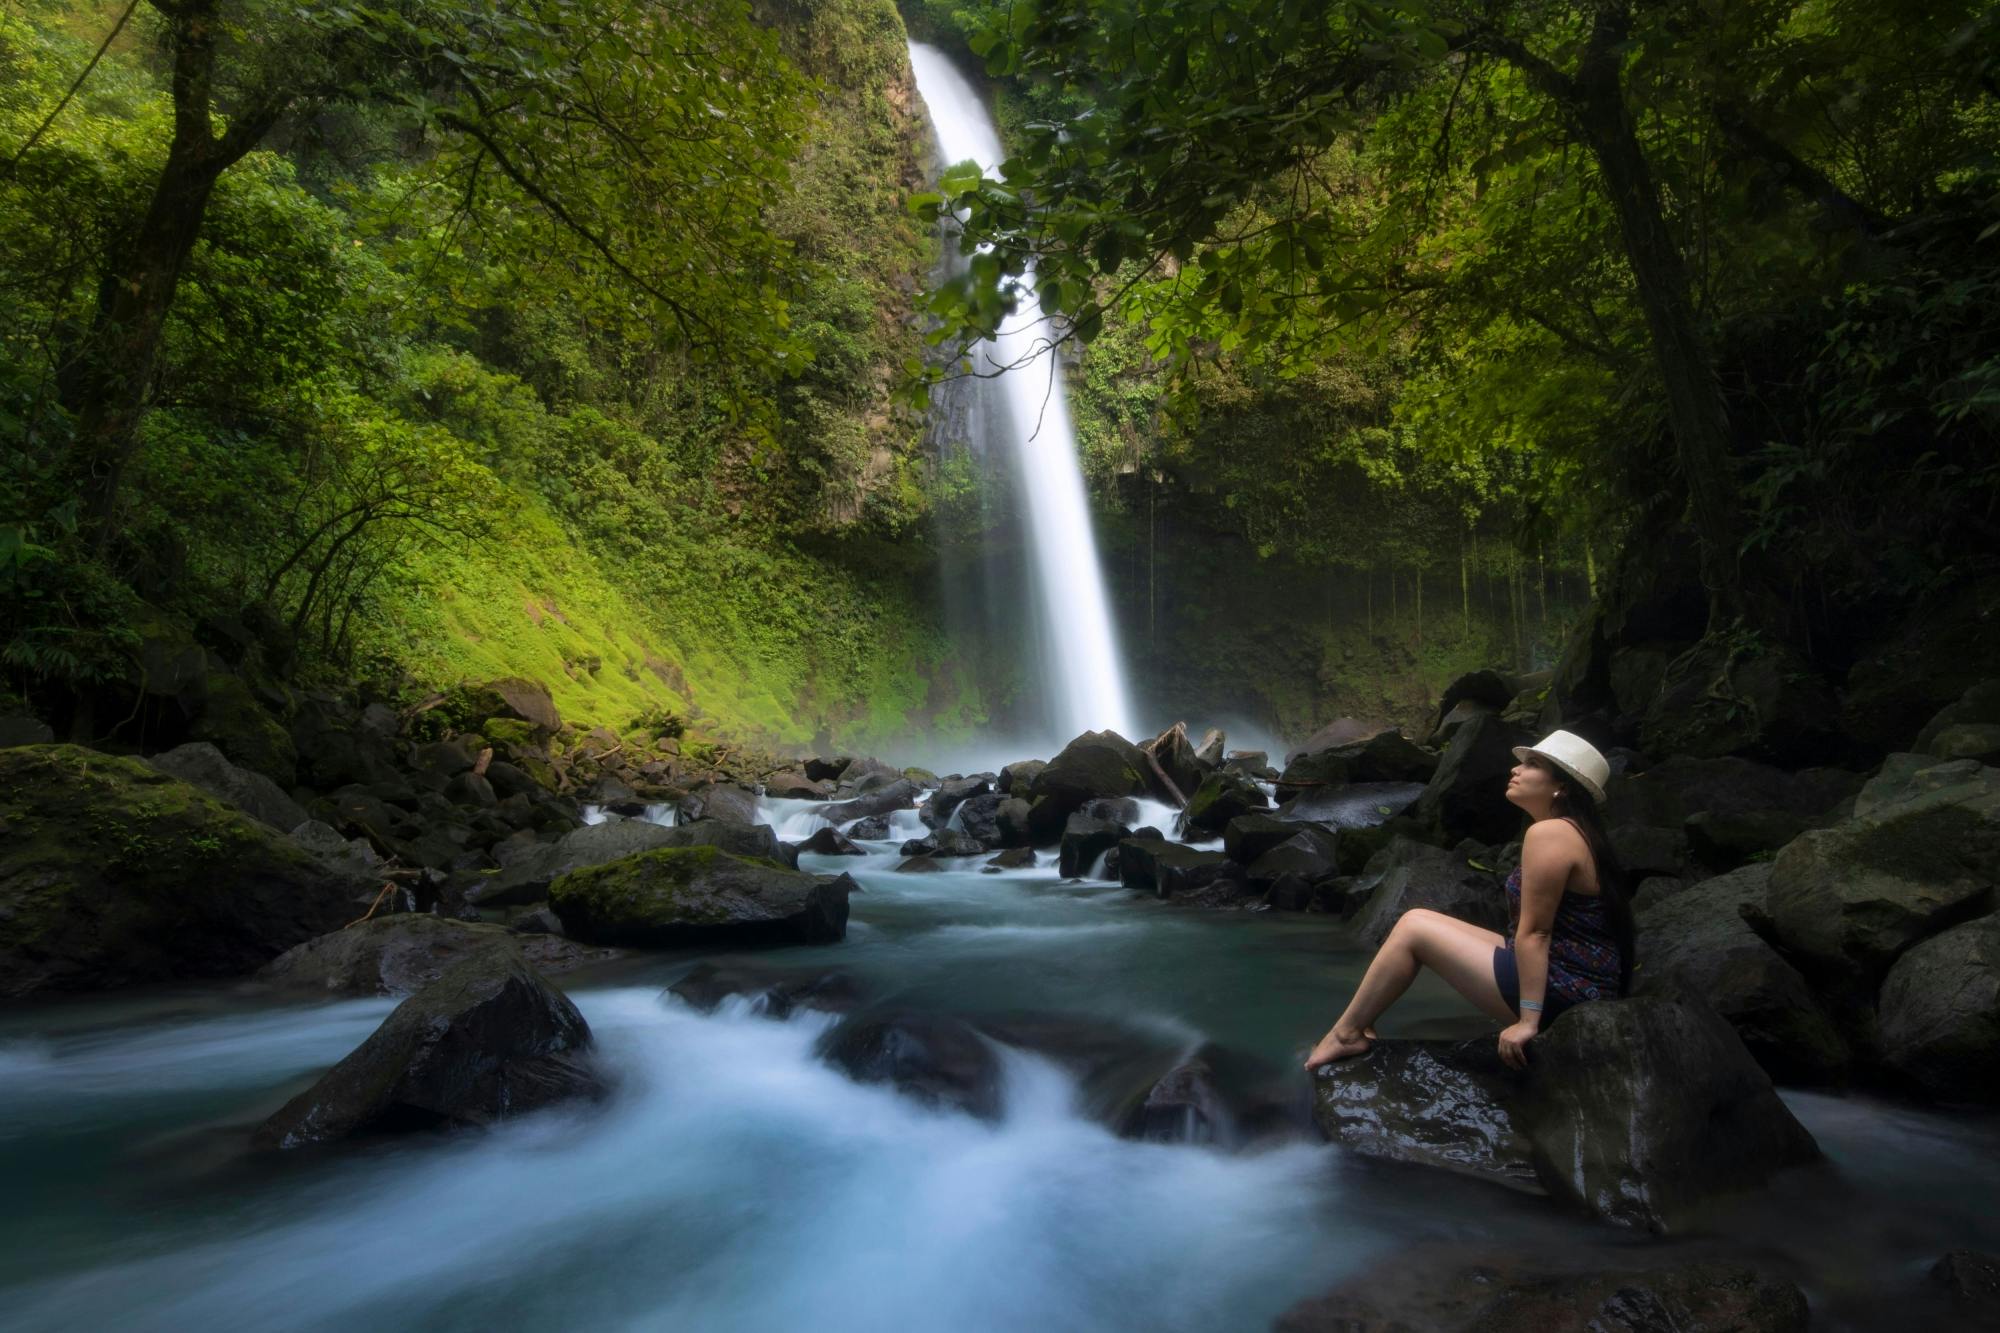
(1583, 954)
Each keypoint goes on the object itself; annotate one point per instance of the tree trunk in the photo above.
(142, 271)
(1464, 589)
(1695, 409)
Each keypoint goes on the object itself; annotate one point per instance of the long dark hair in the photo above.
(1575, 804)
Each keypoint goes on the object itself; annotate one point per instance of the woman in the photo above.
(1572, 936)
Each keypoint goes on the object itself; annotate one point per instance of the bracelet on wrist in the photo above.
(1530, 1006)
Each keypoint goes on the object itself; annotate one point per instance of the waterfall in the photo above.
(1024, 416)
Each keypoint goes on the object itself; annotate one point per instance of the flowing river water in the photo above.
(733, 1181)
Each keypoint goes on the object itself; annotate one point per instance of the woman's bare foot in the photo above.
(1338, 1045)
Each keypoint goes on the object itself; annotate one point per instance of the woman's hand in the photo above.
(1514, 1044)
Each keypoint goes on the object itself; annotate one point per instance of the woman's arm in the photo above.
(1546, 861)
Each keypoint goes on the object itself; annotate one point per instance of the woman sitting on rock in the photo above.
(1572, 935)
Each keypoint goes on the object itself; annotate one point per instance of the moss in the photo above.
(665, 883)
(516, 735)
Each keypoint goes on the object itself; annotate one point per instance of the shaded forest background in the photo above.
(574, 342)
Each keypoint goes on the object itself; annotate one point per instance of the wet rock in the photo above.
(1467, 796)
(541, 921)
(1084, 840)
(1445, 1290)
(1186, 1106)
(1940, 1013)
(1168, 869)
(936, 1059)
(1409, 874)
(900, 794)
(353, 857)
(1637, 1112)
(830, 841)
(334, 749)
(826, 770)
(201, 764)
(944, 843)
(1288, 892)
(874, 828)
(1641, 1110)
(1387, 756)
(403, 953)
(1014, 858)
(1251, 764)
(1117, 810)
(442, 760)
(1699, 942)
(790, 786)
(1014, 820)
(487, 1040)
(723, 802)
(950, 794)
(234, 722)
(1017, 777)
(1248, 837)
(868, 774)
(1973, 1281)
(1222, 796)
(1095, 764)
(772, 991)
(920, 865)
(113, 873)
(1921, 854)
(471, 789)
(1309, 854)
(685, 896)
(1209, 753)
(1449, 1105)
(1340, 731)
(1175, 756)
(527, 875)
(980, 817)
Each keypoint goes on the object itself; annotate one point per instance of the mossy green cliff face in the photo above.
(112, 873)
(675, 896)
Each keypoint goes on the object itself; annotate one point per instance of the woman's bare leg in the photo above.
(1458, 951)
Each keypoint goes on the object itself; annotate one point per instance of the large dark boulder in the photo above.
(1448, 1290)
(1340, 731)
(335, 749)
(900, 794)
(234, 722)
(944, 842)
(830, 841)
(980, 817)
(1248, 837)
(112, 873)
(1968, 728)
(1940, 1013)
(775, 992)
(1409, 874)
(487, 1040)
(1187, 1105)
(1223, 795)
(399, 954)
(1170, 869)
(1467, 796)
(1387, 756)
(787, 785)
(937, 1059)
(719, 801)
(1017, 777)
(1700, 942)
(1085, 839)
(1637, 1112)
(1310, 853)
(515, 699)
(1972, 1281)
(1921, 854)
(950, 794)
(206, 767)
(1715, 699)
(1177, 761)
(680, 896)
(1097, 763)
(526, 876)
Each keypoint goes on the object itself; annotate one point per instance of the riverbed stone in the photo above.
(1467, 795)
(1309, 854)
(1387, 756)
(1921, 854)
(1097, 763)
(681, 896)
(937, 1059)
(489, 1039)
(403, 953)
(1248, 837)
(719, 801)
(1410, 874)
(1223, 796)
(1187, 1105)
(1636, 1112)
(1175, 755)
(950, 794)
(200, 763)
(1169, 869)
(1084, 840)
(1013, 858)
(944, 842)
(830, 841)
(980, 817)
(790, 785)
(775, 992)
(1700, 942)
(1972, 1280)
(1446, 1289)
(1940, 1013)
(900, 794)
(114, 873)
(1017, 777)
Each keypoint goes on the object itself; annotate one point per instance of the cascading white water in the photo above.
(1083, 681)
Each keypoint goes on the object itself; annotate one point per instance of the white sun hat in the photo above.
(1573, 755)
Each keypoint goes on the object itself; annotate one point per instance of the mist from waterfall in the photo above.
(1021, 420)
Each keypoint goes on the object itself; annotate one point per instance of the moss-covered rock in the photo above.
(1222, 796)
(676, 896)
(235, 723)
(114, 873)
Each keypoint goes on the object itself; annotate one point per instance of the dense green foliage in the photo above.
(462, 377)
(1495, 253)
